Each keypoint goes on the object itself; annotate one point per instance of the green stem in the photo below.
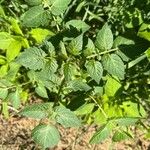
(14, 86)
(99, 106)
(85, 15)
(102, 53)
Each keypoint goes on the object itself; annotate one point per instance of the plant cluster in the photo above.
(82, 58)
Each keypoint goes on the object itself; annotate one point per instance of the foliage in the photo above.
(83, 58)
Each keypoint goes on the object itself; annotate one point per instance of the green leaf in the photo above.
(3, 89)
(35, 17)
(3, 70)
(132, 109)
(66, 117)
(2, 60)
(63, 52)
(13, 70)
(45, 135)
(37, 111)
(2, 13)
(78, 24)
(32, 58)
(41, 91)
(104, 39)
(15, 26)
(75, 46)
(144, 31)
(58, 6)
(85, 109)
(50, 48)
(90, 48)
(112, 86)
(125, 121)
(79, 85)
(34, 2)
(40, 34)
(100, 135)
(14, 97)
(5, 110)
(51, 66)
(13, 50)
(147, 52)
(95, 70)
(70, 70)
(5, 40)
(120, 135)
(114, 65)
(122, 41)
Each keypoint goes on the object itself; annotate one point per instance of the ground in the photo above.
(15, 134)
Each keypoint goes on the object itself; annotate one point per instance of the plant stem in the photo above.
(85, 15)
(102, 53)
(14, 86)
(103, 112)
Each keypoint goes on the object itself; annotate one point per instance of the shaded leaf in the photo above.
(78, 24)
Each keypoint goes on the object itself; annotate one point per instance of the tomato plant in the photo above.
(87, 60)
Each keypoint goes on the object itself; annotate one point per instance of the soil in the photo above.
(15, 134)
